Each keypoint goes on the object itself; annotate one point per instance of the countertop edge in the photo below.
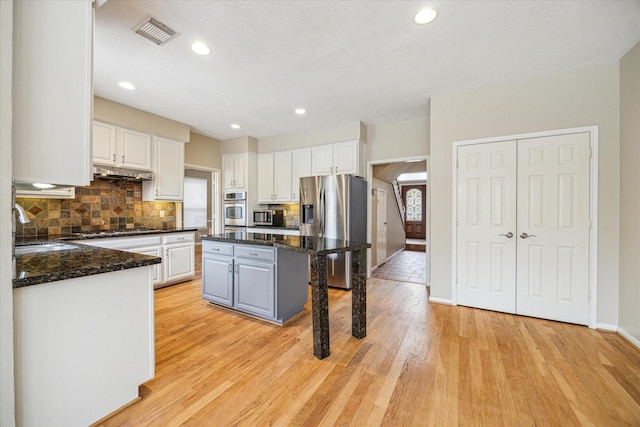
(83, 272)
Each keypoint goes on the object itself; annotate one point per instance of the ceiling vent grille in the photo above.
(155, 31)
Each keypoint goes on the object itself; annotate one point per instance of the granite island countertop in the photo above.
(85, 260)
(305, 244)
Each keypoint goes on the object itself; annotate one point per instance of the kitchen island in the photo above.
(317, 249)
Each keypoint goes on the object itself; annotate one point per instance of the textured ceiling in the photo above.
(343, 61)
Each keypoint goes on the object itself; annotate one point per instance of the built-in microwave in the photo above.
(268, 217)
(262, 217)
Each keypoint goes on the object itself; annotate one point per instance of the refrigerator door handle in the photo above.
(321, 215)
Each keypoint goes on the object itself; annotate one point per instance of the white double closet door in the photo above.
(523, 227)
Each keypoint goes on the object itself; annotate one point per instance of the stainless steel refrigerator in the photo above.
(334, 206)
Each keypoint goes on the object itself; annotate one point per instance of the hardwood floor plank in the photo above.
(421, 364)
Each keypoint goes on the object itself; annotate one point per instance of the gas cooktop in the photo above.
(118, 231)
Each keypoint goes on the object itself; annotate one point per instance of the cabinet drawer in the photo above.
(178, 238)
(253, 252)
(217, 248)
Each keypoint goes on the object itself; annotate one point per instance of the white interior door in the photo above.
(486, 255)
(553, 228)
(381, 241)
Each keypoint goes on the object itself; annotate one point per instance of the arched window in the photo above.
(414, 205)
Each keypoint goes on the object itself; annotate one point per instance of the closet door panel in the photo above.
(553, 228)
(486, 201)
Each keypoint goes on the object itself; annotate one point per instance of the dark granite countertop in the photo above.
(44, 267)
(270, 227)
(38, 268)
(106, 234)
(304, 244)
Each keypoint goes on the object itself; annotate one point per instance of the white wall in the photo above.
(203, 151)
(408, 138)
(584, 97)
(7, 397)
(239, 145)
(629, 320)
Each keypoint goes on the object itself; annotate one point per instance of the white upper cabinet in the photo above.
(341, 158)
(274, 177)
(300, 166)
(134, 150)
(235, 171)
(121, 147)
(265, 178)
(52, 91)
(168, 180)
(105, 139)
(322, 160)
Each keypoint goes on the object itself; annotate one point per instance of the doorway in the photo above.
(390, 257)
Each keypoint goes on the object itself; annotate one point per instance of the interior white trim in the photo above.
(441, 301)
(606, 327)
(627, 336)
(593, 208)
(370, 165)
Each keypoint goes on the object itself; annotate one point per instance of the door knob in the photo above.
(508, 235)
(525, 235)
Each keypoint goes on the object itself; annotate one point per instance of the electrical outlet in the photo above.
(161, 214)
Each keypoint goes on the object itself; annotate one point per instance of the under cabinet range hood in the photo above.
(120, 174)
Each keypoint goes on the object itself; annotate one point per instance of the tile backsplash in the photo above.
(103, 205)
(292, 213)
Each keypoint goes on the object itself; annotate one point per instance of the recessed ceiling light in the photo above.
(127, 85)
(300, 111)
(200, 48)
(425, 16)
(235, 126)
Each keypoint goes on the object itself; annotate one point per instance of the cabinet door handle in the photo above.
(123, 158)
(114, 157)
(180, 238)
(230, 268)
(253, 254)
(508, 235)
(525, 235)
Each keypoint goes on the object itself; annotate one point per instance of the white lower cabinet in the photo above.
(177, 251)
(155, 268)
(254, 279)
(178, 262)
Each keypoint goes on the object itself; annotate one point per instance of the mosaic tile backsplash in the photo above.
(103, 205)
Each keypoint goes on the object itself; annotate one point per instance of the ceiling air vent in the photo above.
(155, 31)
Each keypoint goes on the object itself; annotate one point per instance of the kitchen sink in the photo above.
(43, 247)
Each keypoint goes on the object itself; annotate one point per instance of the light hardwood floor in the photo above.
(420, 365)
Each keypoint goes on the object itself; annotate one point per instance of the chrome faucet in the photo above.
(22, 215)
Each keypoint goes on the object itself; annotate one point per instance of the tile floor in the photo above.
(406, 266)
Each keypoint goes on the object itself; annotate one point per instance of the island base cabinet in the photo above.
(217, 279)
(255, 288)
(261, 281)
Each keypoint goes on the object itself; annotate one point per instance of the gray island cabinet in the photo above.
(265, 275)
(261, 281)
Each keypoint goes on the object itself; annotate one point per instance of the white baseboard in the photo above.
(441, 300)
(627, 336)
(606, 327)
